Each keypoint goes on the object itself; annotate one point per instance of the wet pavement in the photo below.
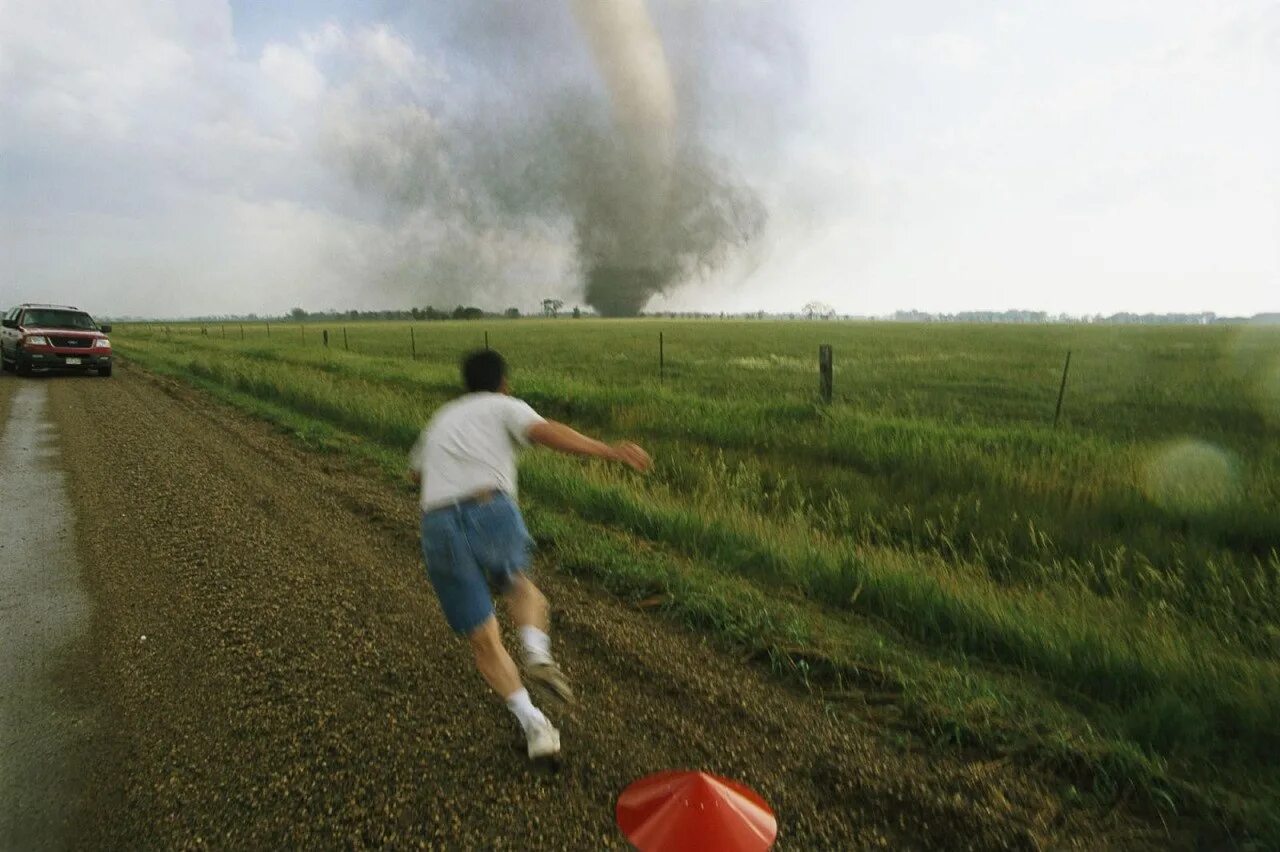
(44, 611)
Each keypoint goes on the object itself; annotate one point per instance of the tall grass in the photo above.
(1025, 504)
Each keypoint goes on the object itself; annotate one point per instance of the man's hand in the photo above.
(563, 439)
(415, 476)
(632, 456)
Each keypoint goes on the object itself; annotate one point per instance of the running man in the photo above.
(474, 538)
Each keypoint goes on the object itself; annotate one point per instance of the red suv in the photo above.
(53, 337)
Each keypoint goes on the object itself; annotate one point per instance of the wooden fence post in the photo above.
(242, 331)
(326, 338)
(1062, 389)
(825, 369)
(486, 341)
(268, 331)
(345, 345)
(413, 344)
(662, 359)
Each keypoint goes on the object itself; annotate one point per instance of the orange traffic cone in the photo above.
(694, 812)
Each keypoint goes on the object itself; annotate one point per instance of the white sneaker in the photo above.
(544, 740)
(547, 675)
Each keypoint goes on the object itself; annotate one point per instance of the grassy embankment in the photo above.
(1104, 597)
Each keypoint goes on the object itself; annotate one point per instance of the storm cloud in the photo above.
(600, 147)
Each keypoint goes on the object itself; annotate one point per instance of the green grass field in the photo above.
(1102, 598)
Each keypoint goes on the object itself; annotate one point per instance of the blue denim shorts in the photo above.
(473, 549)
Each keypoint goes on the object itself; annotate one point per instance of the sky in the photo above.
(200, 157)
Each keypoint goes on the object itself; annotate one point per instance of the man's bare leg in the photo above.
(500, 672)
(492, 659)
(527, 605)
(529, 609)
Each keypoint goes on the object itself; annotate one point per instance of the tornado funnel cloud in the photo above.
(649, 212)
(631, 61)
(558, 144)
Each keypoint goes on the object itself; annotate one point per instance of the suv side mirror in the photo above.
(105, 328)
(10, 323)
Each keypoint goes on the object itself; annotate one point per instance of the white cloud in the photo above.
(1094, 156)
(950, 50)
(292, 70)
(391, 52)
(85, 71)
(327, 38)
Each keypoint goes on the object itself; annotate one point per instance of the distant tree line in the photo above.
(428, 313)
(550, 308)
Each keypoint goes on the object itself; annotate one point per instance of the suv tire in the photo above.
(21, 366)
(104, 372)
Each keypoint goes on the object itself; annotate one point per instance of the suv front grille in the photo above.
(80, 342)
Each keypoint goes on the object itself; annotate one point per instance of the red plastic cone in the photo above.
(694, 812)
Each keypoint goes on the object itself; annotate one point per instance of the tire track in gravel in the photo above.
(297, 685)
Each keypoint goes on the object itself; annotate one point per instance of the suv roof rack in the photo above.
(55, 307)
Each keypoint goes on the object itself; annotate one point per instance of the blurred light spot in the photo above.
(1191, 476)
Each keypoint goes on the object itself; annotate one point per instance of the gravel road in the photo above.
(277, 674)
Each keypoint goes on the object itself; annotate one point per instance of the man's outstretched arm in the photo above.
(559, 437)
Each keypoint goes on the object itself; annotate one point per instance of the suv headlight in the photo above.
(35, 340)
(101, 343)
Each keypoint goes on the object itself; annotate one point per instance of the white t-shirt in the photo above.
(470, 446)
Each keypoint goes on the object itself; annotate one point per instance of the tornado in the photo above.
(648, 211)
(566, 145)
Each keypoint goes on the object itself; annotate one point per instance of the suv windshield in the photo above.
(59, 319)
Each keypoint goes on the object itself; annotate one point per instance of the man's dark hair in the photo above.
(483, 370)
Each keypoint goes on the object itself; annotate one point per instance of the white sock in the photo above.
(522, 708)
(537, 645)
